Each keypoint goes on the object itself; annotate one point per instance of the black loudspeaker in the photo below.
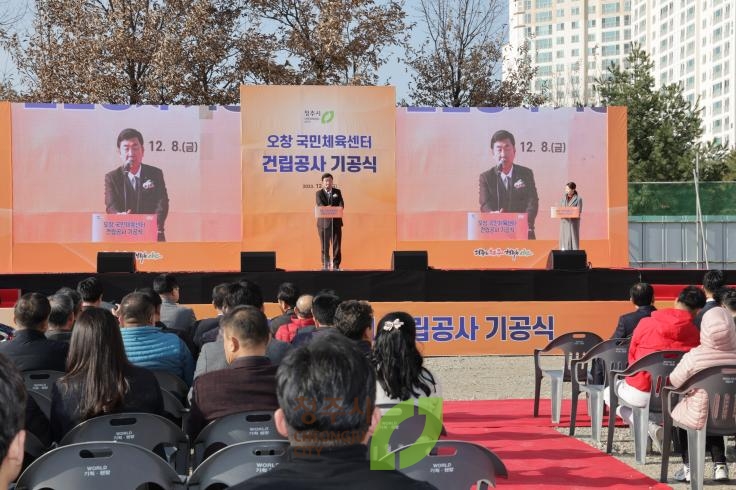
(568, 260)
(257, 261)
(115, 261)
(414, 260)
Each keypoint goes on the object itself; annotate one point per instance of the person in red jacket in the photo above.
(666, 329)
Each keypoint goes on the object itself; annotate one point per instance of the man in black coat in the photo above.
(330, 229)
(30, 350)
(642, 295)
(713, 280)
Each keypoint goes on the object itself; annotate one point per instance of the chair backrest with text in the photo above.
(147, 430)
(237, 463)
(41, 381)
(456, 465)
(99, 465)
(232, 429)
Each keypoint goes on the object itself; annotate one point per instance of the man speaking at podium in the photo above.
(507, 187)
(136, 188)
(330, 229)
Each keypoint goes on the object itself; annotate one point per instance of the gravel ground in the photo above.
(507, 377)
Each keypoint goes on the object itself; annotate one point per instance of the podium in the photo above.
(124, 227)
(562, 212)
(328, 212)
(498, 226)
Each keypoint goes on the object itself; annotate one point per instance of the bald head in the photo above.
(303, 307)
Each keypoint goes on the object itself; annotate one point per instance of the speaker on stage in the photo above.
(115, 261)
(567, 260)
(257, 261)
(412, 260)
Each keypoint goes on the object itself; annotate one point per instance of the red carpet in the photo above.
(535, 454)
(501, 413)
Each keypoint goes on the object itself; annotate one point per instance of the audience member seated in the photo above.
(75, 296)
(100, 379)
(173, 315)
(327, 387)
(146, 345)
(713, 281)
(666, 329)
(209, 324)
(354, 319)
(717, 347)
(91, 291)
(249, 382)
(302, 318)
(156, 300)
(286, 297)
(324, 306)
(399, 365)
(642, 295)
(61, 318)
(12, 411)
(212, 355)
(30, 350)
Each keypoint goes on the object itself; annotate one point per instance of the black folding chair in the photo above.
(147, 430)
(99, 465)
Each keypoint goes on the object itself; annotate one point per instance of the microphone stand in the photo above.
(331, 253)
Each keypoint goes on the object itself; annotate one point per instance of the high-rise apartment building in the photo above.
(571, 42)
(690, 42)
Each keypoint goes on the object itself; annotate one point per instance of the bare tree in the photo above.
(460, 63)
(136, 51)
(335, 41)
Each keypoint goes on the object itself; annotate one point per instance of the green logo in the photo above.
(409, 422)
(328, 116)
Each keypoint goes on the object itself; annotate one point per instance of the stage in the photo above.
(391, 286)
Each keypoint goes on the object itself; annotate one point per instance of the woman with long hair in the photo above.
(400, 370)
(100, 379)
(570, 227)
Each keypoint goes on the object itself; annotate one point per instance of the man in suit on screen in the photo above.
(508, 187)
(330, 229)
(134, 187)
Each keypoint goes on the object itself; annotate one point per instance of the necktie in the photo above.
(506, 182)
(135, 182)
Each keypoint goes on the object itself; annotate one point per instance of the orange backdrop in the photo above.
(290, 125)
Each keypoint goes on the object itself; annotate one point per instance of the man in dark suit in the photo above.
(713, 280)
(30, 350)
(330, 229)
(136, 188)
(642, 295)
(248, 383)
(507, 187)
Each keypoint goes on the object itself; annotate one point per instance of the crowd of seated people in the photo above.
(320, 347)
(108, 354)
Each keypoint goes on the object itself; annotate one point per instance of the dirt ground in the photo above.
(506, 377)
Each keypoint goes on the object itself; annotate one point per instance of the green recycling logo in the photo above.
(411, 417)
(327, 116)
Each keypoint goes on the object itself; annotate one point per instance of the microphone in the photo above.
(127, 166)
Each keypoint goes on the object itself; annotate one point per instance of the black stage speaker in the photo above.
(257, 261)
(115, 261)
(567, 260)
(413, 260)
